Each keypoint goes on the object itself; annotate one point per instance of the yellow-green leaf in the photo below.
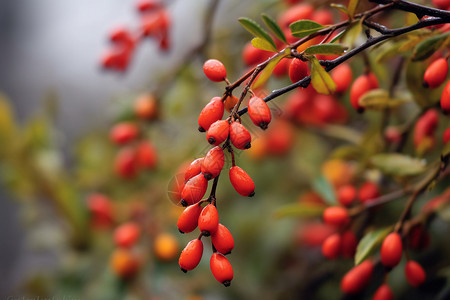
(340, 7)
(320, 79)
(427, 47)
(351, 34)
(304, 28)
(369, 242)
(326, 49)
(352, 6)
(265, 74)
(263, 44)
(273, 26)
(398, 164)
(254, 28)
(305, 210)
(379, 99)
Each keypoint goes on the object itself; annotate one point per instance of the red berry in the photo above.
(346, 194)
(392, 134)
(425, 127)
(446, 136)
(419, 239)
(101, 209)
(212, 112)
(126, 235)
(282, 68)
(391, 250)
(194, 190)
(298, 70)
(336, 215)
(239, 136)
(218, 132)
(125, 164)
(436, 73)
(146, 5)
(123, 133)
(445, 98)
(124, 263)
(221, 269)
(120, 34)
(362, 85)
(242, 182)
(348, 244)
(331, 246)
(368, 191)
(314, 234)
(214, 70)
(259, 112)
(323, 17)
(357, 278)
(213, 163)
(383, 293)
(194, 168)
(222, 240)
(188, 219)
(208, 221)
(441, 4)
(146, 155)
(191, 255)
(253, 56)
(342, 77)
(414, 273)
(295, 13)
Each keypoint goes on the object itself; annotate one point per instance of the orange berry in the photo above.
(230, 102)
(331, 246)
(213, 163)
(346, 194)
(221, 269)
(124, 263)
(191, 255)
(126, 235)
(342, 76)
(414, 273)
(445, 98)
(208, 221)
(145, 107)
(436, 73)
(218, 132)
(242, 182)
(239, 136)
(214, 70)
(212, 112)
(383, 293)
(194, 168)
(259, 112)
(194, 190)
(357, 278)
(336, 215)
(391, 250)
(188, 219)
(166, 247)
(222, 240)
(123, 133)
(146, 155)
(298, 70)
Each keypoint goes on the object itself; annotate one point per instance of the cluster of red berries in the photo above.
(434, 76)
(155, 23)
(136, 153)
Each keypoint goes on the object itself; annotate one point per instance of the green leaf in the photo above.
(306, 210)
(324, 189)
(369, 242)
(254, 28)
(340, 7)
(262, 44)
(273, 26)
(326, 49)
(351, 34)
(304, 28)
(427, 47)
(398, 164)
(265, 74)
(320, 79)
(379, 99)
(352, 6)
(347, 152)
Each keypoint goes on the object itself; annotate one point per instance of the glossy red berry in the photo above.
(212, 112)
(242, 182)
(446, 136)
(259, 112)
(445, 98)
(221, 269)
(336, 215)
(362, 85)
(126, 235)
(218, 132)
(222, 240)
(436, 73)
(213, 163)
(298, 70)
(188, 220)
(332, 246)
(191, 255)
(368, 191)
(349, 242)
(357, 278)
(253, 56)
(239, 136)
(123, 133)
(391, 250)
(414, 273)
(125, 165)
(346, 194)
(194, 190)
(208, 221)
(384, 292)
(146, 155)
(194, 168)
(342, 77)
(214, 70)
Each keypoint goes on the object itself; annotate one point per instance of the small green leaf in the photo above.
(340, 7)
(326, 49)
(427, 47)
(273, 26)
(254, 28)
(369, 242)
(398, 164)
(379, 99)
(352, 6)
(351, 34)
(324, 189)
(305, 210)
(304, 28)
(262, 44)
(320, 79)
(265, 74)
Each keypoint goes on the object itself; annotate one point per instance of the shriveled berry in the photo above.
(146, 155)
(336, 215)
(222, 240)
(332, 246)
(239, 136)
(242, 182)
(218, 132)
(368, 191)
(357, 278)
(445, 98)
(188, 220)
(208, 221)
(125, 164)
(391, 250)
(436, 73)
(259, 112)
(384, 292)
(191, 255)
(362, 85)
(346, 194)
(342, 77)
(221, 269)
(126, 235)
(194, 169)
(123, 133)
(348, 244)
(214, 70)
(298, 69)
(194, 190)
(213, 163)
(212, 112)
(414, 273)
